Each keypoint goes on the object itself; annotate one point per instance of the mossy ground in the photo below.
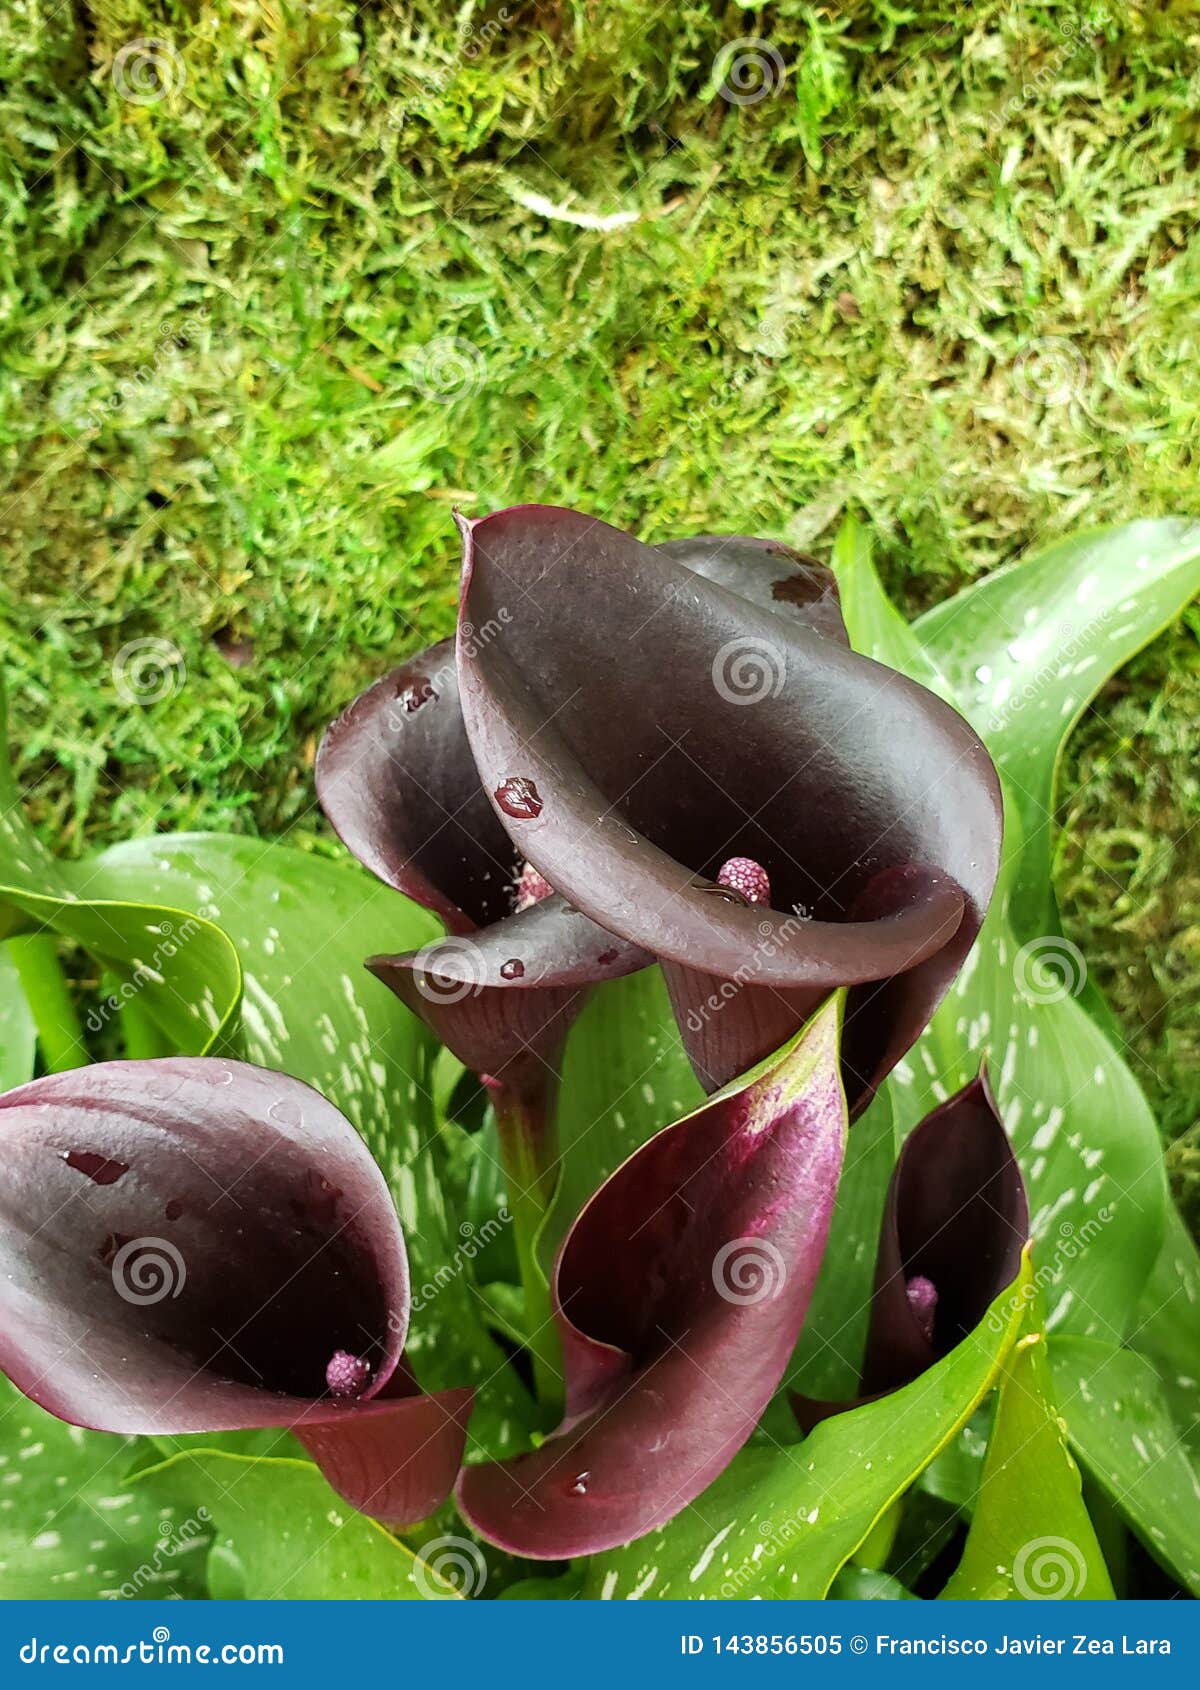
(261, 333)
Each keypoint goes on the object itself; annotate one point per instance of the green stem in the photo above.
(524, 1101)
(60, 1036)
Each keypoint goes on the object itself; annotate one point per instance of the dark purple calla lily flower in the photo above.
(657, 737)
(954, 1225)
(678, 1296)
(196, 1245)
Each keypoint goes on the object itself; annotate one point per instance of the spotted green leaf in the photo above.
(280, 1532)
(1026, 649)
(72, 1526)
(1167, 1329)
(1121, 1428)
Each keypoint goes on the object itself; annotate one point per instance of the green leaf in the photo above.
(279, 1531)
(1082, 1130)
(625, 1075)
(18, 1035)
(1030, 1535)
(782, 1522)
(1026, 648)
(72, 1526)
(1120, 1427)
(1167, 1331)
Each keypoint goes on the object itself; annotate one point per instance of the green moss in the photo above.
(261, 333)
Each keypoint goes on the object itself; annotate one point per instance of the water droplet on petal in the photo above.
(512, 969)
(518, 797)
(579, 1484)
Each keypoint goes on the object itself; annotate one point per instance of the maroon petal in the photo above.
(186, 1244)
(395, 1457)
(679, 1293)
(396, 778)
(637, 725)
(956, 1219)
(512, 988)
(769, 574)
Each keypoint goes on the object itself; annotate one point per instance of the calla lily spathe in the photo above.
(197, 1245)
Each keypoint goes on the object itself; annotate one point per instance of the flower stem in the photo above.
(524, 1101)
(60, 1036)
